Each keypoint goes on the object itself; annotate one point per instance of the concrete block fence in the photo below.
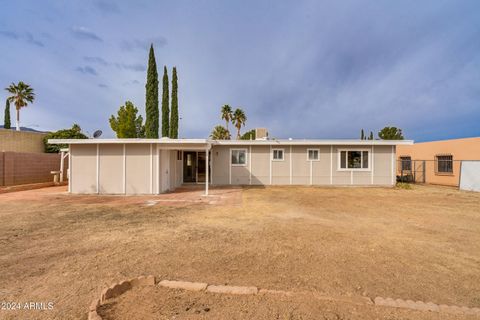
(121, 287)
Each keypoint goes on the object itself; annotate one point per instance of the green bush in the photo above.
(75, 132)
(403, 185)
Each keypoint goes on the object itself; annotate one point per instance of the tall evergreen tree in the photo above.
(371, 136)
(165, 107)
(362, 135)
(7, 124)
(151, 98)
(174, 108)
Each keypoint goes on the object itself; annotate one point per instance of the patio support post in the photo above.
(207, 165)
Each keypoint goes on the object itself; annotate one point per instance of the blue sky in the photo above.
(303, 69)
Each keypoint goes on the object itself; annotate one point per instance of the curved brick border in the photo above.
(115, 290)
(119, 288)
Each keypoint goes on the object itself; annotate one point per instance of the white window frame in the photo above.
(278, 149)
(339, 155)
(308, 152)
(239, 164)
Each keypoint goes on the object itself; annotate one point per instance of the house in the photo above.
(152, 166)
(437, 162)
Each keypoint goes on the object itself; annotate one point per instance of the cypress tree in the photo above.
(6, 122)
(362, 135)
(174, 108)
(371, 136)
(165, 107)
(151, 98)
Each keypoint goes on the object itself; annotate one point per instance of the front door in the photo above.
(190, 166)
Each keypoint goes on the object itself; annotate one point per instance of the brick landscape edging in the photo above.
(119, 288)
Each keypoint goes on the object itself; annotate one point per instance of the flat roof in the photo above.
(235, 142)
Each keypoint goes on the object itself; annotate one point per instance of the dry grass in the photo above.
(421, 244)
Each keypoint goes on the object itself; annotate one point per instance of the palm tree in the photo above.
(239, 119)
(22, 93)
(220, 133)
(226, 114)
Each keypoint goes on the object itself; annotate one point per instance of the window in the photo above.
(354, 160)
(406, 163)
(277, 154)
(313, 154)
(179, 155)
(239, 157)
(444, 164)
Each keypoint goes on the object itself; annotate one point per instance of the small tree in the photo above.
(165, 107)
(75, 132)
(239, 120)
(391, 133)
(6, 121)
(249, 135)
(151, 97)
(371, 136)
(127, 124)
(362, 135)
(22, 94)
(220, 133)
(174, 108)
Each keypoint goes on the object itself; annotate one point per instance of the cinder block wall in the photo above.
(21, 141)
(23, 168)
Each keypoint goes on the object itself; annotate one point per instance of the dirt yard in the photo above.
(420, 244)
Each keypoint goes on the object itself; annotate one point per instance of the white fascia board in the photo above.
(314, 142)
(128, 141)
(209, 143)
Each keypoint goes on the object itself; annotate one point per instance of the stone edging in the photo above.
(119, 288)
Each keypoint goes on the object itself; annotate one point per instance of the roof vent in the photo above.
(261, 134)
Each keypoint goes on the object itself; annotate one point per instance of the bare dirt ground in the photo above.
(421, 244)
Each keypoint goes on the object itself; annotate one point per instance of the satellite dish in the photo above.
(97, 134)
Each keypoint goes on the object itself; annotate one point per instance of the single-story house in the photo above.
(153, 166)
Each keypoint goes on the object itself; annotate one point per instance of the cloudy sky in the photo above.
(303, 69)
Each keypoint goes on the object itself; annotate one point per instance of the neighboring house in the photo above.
(22, 141)
(437, 162)
(152, 166)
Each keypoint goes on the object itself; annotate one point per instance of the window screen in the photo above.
(239, 157)
(313, 154)
(353, 159)
(277, 154)
(445, 164)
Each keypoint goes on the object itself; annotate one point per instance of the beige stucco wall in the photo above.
(83, 170)
(460, 149)
(122, 169)
(138, 169)
(261, 169)
(21, 141)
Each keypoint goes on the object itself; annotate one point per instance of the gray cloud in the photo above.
(132, 82)
(9, 34)
(107, 7)
(27, 37)
(138, 67)
(87, 70)
(97, 60)
(30, 39)
(142, 44)
(83, 33)
(102, 85)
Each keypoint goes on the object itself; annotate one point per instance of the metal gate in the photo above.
(412, 171)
